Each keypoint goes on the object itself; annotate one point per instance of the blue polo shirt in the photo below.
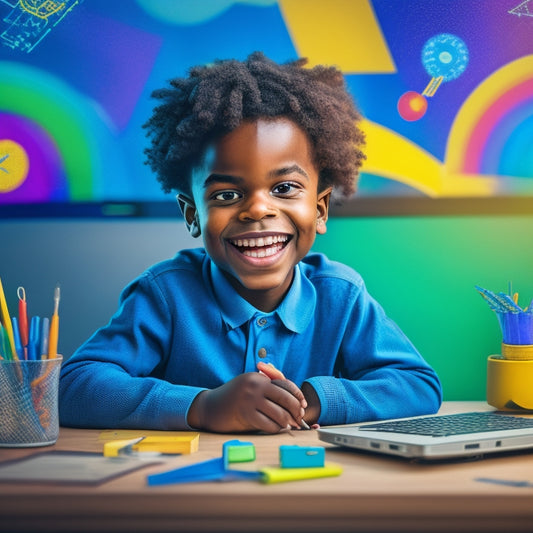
(181, 328)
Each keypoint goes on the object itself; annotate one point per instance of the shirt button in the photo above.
(261, 321)
(262, 353)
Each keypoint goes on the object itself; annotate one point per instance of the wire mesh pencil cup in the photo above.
(29, 402)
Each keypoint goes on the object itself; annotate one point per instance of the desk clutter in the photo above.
(29, 375)
(510, 373)
(125, 451)
(296, 463)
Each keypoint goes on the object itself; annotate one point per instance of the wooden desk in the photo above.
(373, 494)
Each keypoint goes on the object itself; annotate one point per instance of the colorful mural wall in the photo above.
(445, 86)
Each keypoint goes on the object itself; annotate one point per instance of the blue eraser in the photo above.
(292, 456)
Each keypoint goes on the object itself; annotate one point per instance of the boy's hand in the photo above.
(311, 403)
(249, 402)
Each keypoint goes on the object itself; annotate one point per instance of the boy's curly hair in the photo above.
(216, 98)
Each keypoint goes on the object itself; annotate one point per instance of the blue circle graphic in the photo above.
(445, 55)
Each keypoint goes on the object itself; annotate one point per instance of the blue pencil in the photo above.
(16, 336)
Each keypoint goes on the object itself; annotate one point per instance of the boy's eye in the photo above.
(285, 188)
(226, 196)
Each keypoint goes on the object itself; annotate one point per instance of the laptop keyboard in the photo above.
(457, 424)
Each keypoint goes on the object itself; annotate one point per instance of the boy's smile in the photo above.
(258, 207)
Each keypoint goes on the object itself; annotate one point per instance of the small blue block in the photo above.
(301, 456)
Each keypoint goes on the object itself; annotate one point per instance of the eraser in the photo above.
(293, 456)
(236, 451)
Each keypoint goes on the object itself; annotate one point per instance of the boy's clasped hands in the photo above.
(254, 401)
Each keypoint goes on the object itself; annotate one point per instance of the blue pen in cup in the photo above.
(34, 343)
(45, 332)
(16, 336)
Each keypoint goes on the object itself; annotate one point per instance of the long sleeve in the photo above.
(114, 379)
(379, 373)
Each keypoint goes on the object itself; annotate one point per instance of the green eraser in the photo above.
(237, 451)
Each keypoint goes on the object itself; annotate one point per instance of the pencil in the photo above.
(54, 327)
(5, 318)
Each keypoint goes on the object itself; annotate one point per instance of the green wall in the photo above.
(423, 271)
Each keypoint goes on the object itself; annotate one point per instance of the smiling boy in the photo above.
(254, 150)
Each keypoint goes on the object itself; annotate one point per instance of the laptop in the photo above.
(435, 437)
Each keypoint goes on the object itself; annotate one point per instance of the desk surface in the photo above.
(373, 494)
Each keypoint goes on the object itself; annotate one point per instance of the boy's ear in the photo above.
(322, 209)
(189, 214)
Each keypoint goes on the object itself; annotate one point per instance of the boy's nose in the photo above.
(257, 207)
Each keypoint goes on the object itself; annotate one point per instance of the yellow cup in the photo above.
(517, 352)
(510, 383)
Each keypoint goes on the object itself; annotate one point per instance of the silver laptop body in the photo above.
(484, 433)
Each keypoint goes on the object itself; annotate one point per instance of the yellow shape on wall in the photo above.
(394, 157)
(344, 33)
(14, 165)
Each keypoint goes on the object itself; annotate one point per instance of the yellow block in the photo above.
(128, 441)
(344, 33)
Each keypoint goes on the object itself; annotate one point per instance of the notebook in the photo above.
(441, 436)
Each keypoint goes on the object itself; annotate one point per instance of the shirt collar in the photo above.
(295, 311)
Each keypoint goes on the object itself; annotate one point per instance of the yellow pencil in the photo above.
(54, 327)
(5, 317)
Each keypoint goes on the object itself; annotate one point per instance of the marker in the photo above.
(44, 337)
(280, 475)
(23, 316)
(34, 343)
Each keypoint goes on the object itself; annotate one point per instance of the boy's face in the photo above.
(258, 207)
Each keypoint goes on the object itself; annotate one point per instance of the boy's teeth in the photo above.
(265, 252)
(261, 246)
(260, 241)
